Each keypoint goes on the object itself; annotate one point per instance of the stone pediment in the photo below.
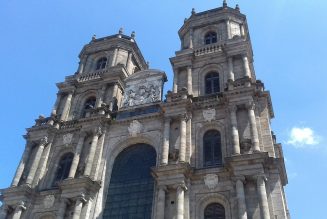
(146, 74)
(144, 87)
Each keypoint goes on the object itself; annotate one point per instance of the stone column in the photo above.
(62, 208)
(36, 161)
(56, 104)
(19, 210)
(230, 69)
(253, 126)
(229, 35)
(98, 157)
(77, 154)
(175, 88)
(81, 65)
(65, 111)
(128, 62)
(100, 96)
(189, 80)
(89, 163)
(180, 201)
(241, 198)
(113, 95)
(165, 146)
(182, 147)
(114, 58)
(160, 213)
(189, 139)
(247, 71)
(191, 39)
(235, 136)
(22, 163)
(242, 30)
(78, 206)
(42, 164)
(262, 194)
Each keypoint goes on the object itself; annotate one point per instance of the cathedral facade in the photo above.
(116, 147)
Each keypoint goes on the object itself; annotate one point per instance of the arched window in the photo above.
(210, 38)
(89, 104)
(63, 168)
(212, 149)
(131, 187)
(212, 83)
(101, 63)
(214, 211)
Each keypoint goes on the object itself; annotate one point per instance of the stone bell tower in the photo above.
(113, 148)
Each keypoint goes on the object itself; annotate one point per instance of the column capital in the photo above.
(232, 108)
(81, 197)
(261, 178)
(98, 131)
(21, 205)
(250, 105)
(65, 200)
(167, 119)
(44, 141)
(162, 187)
(180, 186)
(239, 178)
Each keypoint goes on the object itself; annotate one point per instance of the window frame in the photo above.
(210, 37)
(212, 83)
(64, 165)
(212, 147)
(101, 63)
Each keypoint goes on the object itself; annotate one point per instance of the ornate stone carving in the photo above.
(146, 93)
(48, 201)
(135, 128)
(209, 114)
(211, 181)
(44, 140)
(142, 88)
(98, 131)
(67, 138)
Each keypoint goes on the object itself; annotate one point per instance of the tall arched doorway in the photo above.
(131, 185)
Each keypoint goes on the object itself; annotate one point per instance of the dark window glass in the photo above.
(63, 167)
(131, 185)
(101, 63)
(212, 149)
(214, 211)
(89, 104)
(212, 83)
(210, 38)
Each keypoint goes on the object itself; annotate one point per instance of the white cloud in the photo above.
(303, 137)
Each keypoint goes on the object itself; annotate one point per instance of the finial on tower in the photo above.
(133, 36)
(193, 11)
(120, 32)
(237, 7)
(224, 3)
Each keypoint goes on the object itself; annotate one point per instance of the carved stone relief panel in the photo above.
(209, 115)
(211, 181)
(143, 88)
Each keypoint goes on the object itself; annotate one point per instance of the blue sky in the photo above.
(40, 42)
